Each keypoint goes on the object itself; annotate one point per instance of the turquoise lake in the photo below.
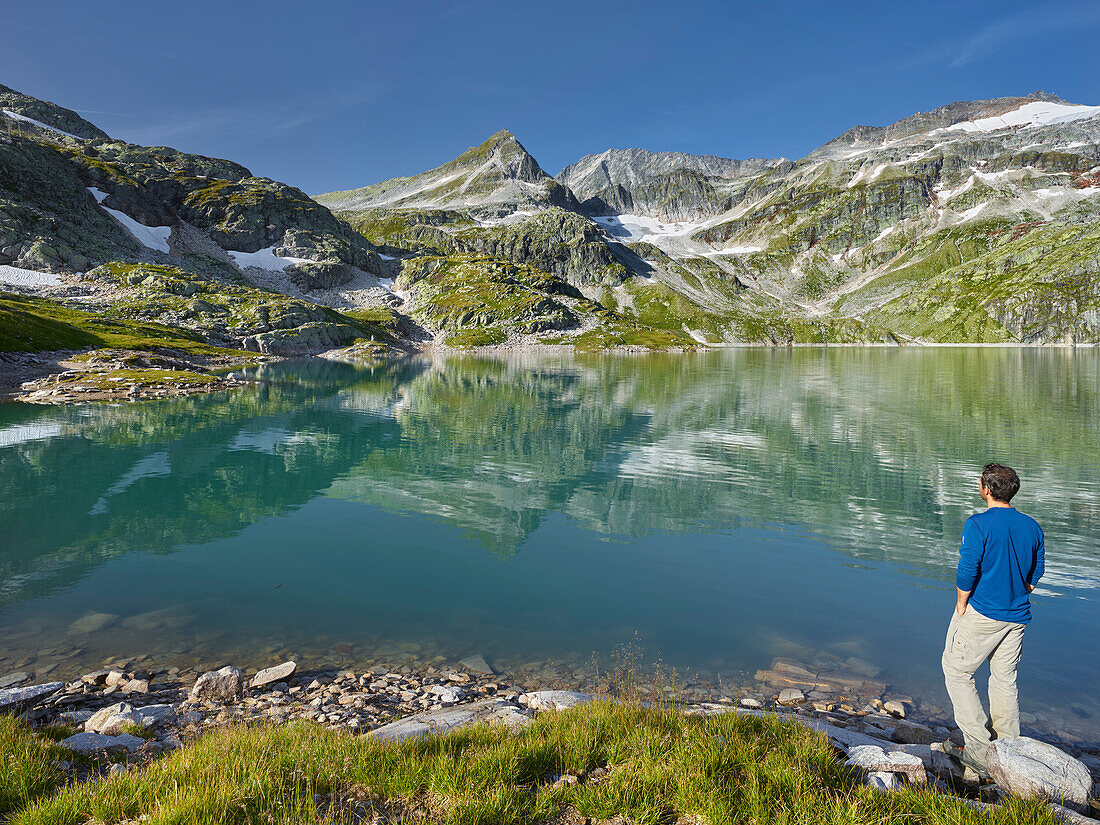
(714, 510)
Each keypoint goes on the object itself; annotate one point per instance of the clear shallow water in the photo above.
(718, 509)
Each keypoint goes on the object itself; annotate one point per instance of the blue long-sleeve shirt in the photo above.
(1001, 554)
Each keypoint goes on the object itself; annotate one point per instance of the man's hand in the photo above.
(961, 599)
(1030, 588)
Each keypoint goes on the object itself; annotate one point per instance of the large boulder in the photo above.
(1027, 767)
(223, 685)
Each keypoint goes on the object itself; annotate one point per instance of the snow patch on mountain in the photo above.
(24, 119)
(642, 227)
(265, 259)
(17, 276)
(1029, 115)
(153, 237)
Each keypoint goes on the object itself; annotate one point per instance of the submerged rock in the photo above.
(12, 679)
(477, 664)
(92, 622)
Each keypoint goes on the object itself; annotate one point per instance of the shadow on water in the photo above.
(668, 485)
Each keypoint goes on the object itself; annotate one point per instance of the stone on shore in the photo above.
(155, 714)
(271, 675)
(113, 719)
(89, 743)
(448, 694)
(791, 696)
(875, 760)
(423, 725)
(1027, 767)
(222, 685)
(895, 708)
(914, 733)
(16, 700)
(554, 699)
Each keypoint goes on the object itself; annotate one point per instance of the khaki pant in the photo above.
(973, 639)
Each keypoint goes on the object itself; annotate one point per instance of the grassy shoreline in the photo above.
(591, 763)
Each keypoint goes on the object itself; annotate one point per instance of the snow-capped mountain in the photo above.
(977, 221)
(670, 185)
(963, 223)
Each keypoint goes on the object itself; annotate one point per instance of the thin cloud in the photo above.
(252, 121)
(1022, 25)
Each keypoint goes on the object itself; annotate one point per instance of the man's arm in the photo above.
(970, 563)
(961, 598)
(1040, 562)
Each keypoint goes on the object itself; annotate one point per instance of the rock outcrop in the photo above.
(1028, 767)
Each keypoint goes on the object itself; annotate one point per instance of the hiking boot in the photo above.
(973, 770)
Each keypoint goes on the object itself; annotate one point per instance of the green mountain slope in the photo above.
(975, 222)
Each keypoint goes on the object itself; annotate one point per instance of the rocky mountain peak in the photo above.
(498, 174)
(18, 108)
(959, 113)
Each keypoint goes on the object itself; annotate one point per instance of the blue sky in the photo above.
(334, 95)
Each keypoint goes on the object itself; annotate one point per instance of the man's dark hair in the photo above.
(1001, 481)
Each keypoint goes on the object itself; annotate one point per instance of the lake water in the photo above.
(713, 510)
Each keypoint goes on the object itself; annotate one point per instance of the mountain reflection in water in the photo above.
(723, 507)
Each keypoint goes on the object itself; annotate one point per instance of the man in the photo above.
(1001, 560)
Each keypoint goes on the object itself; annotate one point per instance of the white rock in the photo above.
(16, 700)
(222, 685)
(1027, 767)
(1069, 817)
(554, 699)
(428, 723)
(791, 696)
(75, 717)
(111, 720)
(96, 742)
(874, 759)
(270, 675)
(883, 780)
(749, 702)
(155, 714)
(129, 742)
(448, 695)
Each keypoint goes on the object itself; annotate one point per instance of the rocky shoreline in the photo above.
(121, 720)
(176, 704)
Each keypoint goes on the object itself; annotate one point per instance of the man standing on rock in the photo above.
(1001, 560)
